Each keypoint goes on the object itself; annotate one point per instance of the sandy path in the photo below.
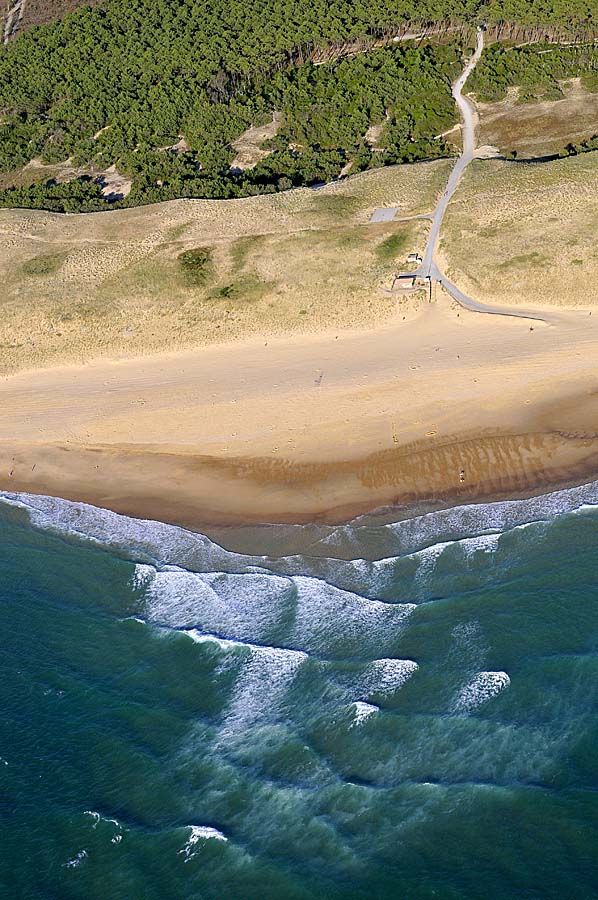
(310, 427)
(13, 19)
(429, 267)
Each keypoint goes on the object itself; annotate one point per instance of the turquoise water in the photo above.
(382, 710)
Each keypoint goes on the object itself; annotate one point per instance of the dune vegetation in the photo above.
(525, 232)
(194, 272)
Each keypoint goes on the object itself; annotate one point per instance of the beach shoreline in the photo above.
(198, 516)
(448, 407)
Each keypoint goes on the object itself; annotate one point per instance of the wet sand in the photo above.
(449, 407)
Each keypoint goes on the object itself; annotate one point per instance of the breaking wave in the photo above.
(197, 835)
(340, 611)
(483, 687)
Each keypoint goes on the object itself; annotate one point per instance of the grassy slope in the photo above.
(109, 283)
(525, 233)
(539, 129)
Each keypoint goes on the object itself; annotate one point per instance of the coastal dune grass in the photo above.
(196, 265)
(525, 233)
(392, 246)
(43, 265)
(195, 272)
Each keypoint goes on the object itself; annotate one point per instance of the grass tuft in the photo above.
(391, 246)
(524, 259)
(196, 265)
(246, 289)
(43, 265)
(244, 247)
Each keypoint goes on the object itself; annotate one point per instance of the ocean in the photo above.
(387, 709)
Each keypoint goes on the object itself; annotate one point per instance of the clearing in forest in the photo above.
(539, 129)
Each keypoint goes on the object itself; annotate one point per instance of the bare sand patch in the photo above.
(372, 137)
(248, 146)
(39, 12)
(114, 185)
(36, 171)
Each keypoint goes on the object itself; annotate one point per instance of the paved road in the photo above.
(429, 267)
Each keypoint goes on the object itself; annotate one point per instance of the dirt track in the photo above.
(429, 268)
(13, 19)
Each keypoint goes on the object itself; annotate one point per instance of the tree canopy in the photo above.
(114, 84)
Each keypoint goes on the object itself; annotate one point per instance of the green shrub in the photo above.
(196, 265)
(392, 246)
(43, 265)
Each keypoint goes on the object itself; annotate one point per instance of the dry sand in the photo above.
(450, 405)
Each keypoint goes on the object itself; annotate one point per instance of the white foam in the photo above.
(200, 637)
(245, 606)
(97, 818)
(412, 534)
(263, 676)
(199, 833)
(328, 617)
(483, 687)
(362, 712)
(584, 508)
(497, 516)
(261, 684)
(465, 633)
(482, 543)
(385, 676)
(428, 557)
(160, 544)
(249, 607)
(469, 649)
(156, 541)
(378, 578)
(95, 815)
(76, 861)
(142, 575)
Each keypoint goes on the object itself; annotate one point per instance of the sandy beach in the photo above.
(449, 406)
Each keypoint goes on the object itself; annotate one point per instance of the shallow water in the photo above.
(395, 710)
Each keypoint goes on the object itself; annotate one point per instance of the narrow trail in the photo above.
(429, 267)
(13, 19)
